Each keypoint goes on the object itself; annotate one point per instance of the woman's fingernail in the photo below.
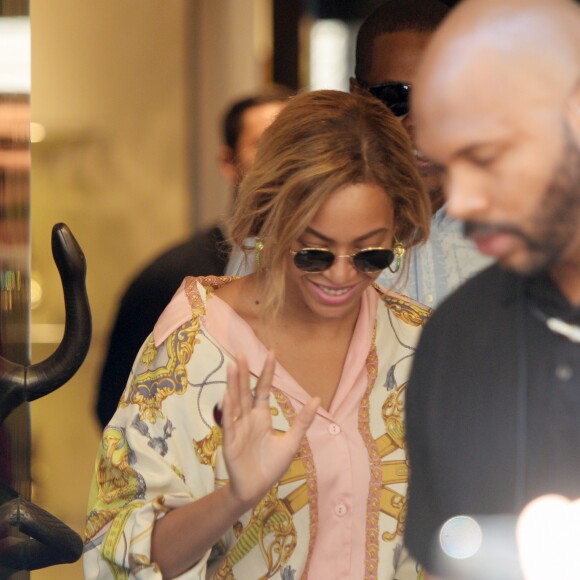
(217, 414)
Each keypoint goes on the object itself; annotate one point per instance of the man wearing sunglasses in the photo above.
(390, 44)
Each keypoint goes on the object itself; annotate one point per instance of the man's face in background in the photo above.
(395, 58)
(254, 122)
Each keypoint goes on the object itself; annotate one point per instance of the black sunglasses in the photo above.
(395, 96)
(319, 259)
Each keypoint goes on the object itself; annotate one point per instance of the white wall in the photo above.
(231, 57)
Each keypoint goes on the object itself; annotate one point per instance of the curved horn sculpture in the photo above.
(42, 540)
(20, 383)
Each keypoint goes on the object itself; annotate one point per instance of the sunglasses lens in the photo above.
(373, 260)
(394, 95)
(313, 260)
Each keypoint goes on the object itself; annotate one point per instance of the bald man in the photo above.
(493, 403)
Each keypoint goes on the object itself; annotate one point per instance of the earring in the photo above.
(399, 251)
(258, 247)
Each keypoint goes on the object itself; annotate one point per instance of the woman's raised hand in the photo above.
(256, 457)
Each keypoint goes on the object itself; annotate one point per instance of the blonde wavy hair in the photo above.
(319, 143)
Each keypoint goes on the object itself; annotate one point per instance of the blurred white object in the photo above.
(548, 537)
(476, 547)
(460, 537)
(15, 54)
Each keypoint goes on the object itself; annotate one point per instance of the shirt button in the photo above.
(564, 372)
(429, 298)
(334, 429)
(340, 510)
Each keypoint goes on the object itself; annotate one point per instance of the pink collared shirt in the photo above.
(340, 455)
(339, 510)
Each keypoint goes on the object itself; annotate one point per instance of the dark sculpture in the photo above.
(42, 540)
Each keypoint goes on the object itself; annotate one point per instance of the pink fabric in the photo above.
(340, 455)
(345, 496)
(176, 313)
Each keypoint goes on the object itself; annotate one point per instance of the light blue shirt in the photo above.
(439, 266)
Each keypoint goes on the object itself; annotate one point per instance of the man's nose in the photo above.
(466, 194)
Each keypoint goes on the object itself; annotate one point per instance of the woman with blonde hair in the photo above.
(306, 359)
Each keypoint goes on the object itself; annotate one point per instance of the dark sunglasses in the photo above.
(319, 259)
(395, 96)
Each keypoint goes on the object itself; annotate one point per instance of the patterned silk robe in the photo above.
(339, 510)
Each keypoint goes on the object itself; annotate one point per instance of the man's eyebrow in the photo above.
(475, 148)
(469, 150)
(312, 231)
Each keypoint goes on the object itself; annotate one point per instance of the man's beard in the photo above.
(556, 221)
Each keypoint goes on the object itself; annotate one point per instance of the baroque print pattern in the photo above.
(373, 504)
(117, 484)
(149, 389)
(386, 471)
(271, 526)
(412, 314)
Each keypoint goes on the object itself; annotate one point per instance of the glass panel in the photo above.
(14, 236)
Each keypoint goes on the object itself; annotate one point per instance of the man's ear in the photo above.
(573, 109)
(227, 164)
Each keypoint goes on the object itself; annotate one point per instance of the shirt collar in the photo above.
(541, 291)
(547, 296)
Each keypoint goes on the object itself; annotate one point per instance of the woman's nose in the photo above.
(342, 269)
